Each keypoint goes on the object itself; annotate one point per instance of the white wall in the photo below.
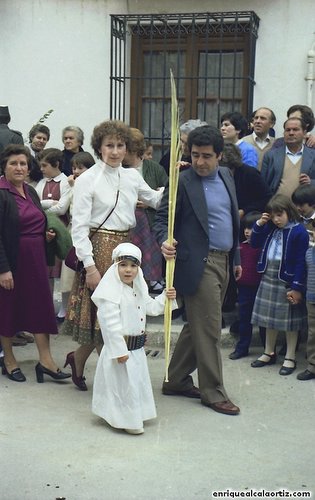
(56, 54)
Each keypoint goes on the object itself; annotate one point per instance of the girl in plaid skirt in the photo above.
(279, 303)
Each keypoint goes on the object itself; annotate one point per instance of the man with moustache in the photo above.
(205, 246)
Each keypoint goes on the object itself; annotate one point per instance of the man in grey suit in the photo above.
(287, 167)
(205, 247)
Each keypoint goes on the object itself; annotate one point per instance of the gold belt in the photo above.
(109, 231)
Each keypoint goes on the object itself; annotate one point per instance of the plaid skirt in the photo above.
(142, 237)
(81, 321)
(272, 309)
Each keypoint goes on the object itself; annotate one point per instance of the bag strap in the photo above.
(107, 216)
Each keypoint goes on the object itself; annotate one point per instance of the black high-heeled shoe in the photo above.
(16, 374)
(58, 375)
(78, 381)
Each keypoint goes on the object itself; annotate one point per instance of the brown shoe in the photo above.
(193, 392)
(226, 407)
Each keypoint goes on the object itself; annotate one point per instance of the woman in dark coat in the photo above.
(26, 302)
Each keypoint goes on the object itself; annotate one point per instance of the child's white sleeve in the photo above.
(108, 315)
(155, 306)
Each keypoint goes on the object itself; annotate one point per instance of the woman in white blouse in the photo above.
(106, 188)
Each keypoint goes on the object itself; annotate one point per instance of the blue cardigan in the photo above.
(295, 242)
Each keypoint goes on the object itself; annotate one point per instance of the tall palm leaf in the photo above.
(173, 183)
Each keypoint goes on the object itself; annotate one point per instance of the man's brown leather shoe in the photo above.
(193, 392)
(226, 407)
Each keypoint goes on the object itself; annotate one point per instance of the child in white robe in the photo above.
(122, 392)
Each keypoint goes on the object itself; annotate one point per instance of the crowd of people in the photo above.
(244, 228)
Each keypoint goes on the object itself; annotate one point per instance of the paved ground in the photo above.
(53, 447)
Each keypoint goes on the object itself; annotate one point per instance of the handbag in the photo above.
(71, 259)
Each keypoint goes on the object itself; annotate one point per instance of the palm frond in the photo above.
(173, 183)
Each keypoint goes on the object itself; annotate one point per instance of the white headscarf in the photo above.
(127, 251)
(111, 287)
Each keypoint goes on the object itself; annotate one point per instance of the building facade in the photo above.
(89, 60)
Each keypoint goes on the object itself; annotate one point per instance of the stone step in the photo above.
(155, 331)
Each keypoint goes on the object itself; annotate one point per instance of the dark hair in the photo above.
(206, 136)
(53, 156)
(306, 113)
(238, 121)
(82, 158)
(231, 156)
(302, 122)
(249, 219)
(280, 203)
(137, 142)
(14, 149)
(304, 194)
(35, 173)
(38, 128)
(114, 128)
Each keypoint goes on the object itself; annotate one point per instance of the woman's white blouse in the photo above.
(94, 196)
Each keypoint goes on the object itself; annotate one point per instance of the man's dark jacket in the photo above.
(8, 136)
(191, 228)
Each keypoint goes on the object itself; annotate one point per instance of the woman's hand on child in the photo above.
(264, 219)
(294, 297)
(171, 293)
(123, 359)
(93, 277)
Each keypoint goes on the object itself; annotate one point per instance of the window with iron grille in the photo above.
(212, 56)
